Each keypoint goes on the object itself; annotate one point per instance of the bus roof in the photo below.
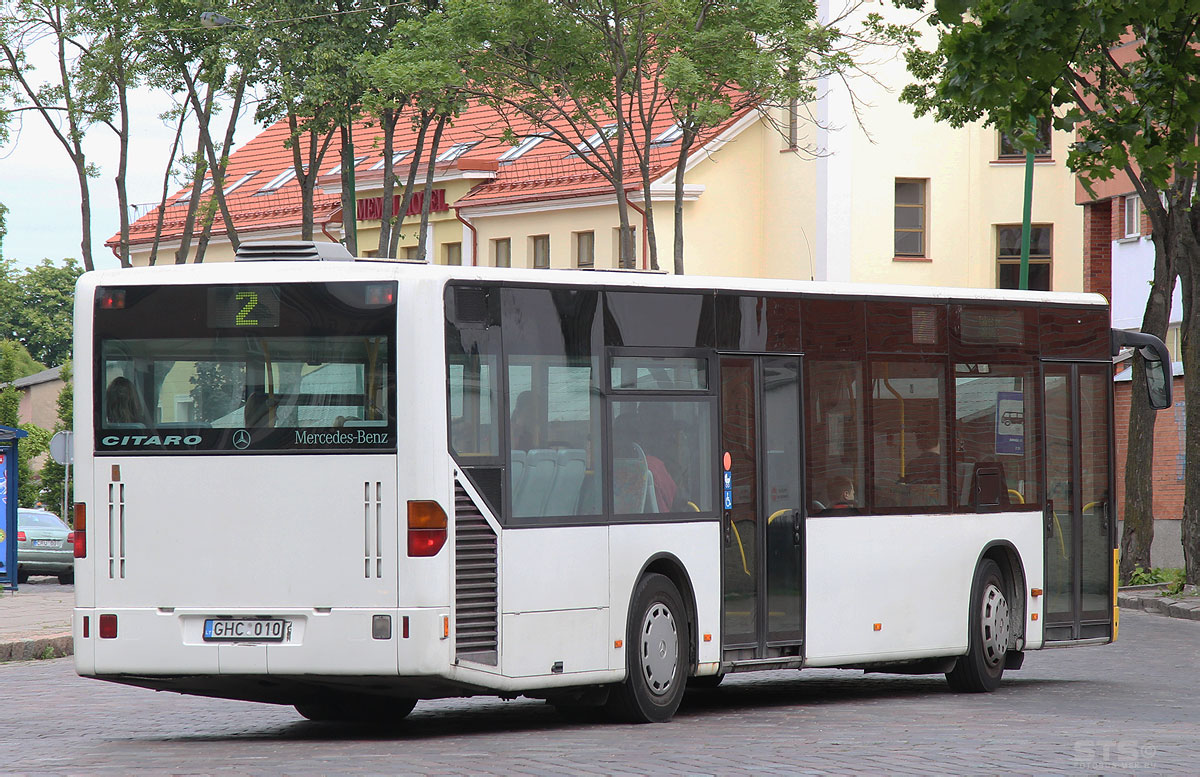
(285, 271)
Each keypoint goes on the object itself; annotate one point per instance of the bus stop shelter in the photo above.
(8, 505)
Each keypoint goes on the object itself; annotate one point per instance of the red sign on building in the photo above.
(372, 209)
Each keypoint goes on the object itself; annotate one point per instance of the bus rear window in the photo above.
(272, 385)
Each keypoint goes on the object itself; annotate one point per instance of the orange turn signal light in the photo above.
(426, 527)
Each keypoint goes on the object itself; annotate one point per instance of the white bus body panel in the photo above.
(910, 574)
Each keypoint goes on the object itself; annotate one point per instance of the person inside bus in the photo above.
(523, 426)
(925, 468)
(257, 411)
(121, 403)
(841, 493)
(648, 433)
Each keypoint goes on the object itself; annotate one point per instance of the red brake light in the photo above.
(426, 528)
(20, 536)
(108, 626)
(71, 538)
(79, 536)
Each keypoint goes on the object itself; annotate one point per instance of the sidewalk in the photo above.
(35, 621)
(1151, 599)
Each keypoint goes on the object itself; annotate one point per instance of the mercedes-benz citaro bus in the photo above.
(352, 485)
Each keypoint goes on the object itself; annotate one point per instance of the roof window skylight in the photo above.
(278, 181)
(396, 157)
(187, 196)
(519, 150)
(672, 134)
(455, 151)
(229, 189)
(594, 142)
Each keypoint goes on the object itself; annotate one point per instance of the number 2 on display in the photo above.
(243, 316)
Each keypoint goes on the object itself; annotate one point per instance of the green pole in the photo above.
(1025, 228)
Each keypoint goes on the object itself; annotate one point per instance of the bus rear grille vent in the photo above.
(476, 602)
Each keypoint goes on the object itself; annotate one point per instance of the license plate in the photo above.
(47, 543)
(246, 630)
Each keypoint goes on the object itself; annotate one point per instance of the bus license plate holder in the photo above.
(246, 630)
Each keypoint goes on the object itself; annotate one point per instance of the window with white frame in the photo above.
(276, 183)
(668, 136)
(396, 159)
(455, 151)
(594, 142)
(187, 196)
(519, 150)
(232, 187)
(1133, 215)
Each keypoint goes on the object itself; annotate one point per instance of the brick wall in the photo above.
(1098, 233)
(1168, 452)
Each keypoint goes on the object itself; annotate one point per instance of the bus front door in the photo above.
(1079, 521)
(762, 524)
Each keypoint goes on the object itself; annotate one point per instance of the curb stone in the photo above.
(30, 649)
(1188, 609)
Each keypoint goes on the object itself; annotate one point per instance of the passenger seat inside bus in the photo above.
(549, 482)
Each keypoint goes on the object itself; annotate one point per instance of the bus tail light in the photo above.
(426, 528)
(80, 533)
(108, 626)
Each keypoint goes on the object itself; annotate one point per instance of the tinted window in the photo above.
(552, 366)
(664, 320)
(995, 428)
(908, 425)
(301, 367)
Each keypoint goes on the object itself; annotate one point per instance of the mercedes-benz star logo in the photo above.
(241, 439)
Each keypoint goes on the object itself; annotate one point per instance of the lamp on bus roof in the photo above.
(111, 299)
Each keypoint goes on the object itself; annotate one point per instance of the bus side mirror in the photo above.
(1157, 362)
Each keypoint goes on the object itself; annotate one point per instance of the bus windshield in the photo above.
(260, 388)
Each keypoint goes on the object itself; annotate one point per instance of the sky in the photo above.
(40, 190)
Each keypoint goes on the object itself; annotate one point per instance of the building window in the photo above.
(452, 252)
(519, 150)
(455, 151)
(540, 248)
(585, 249)
(1008, 256)
(1010, 149)
(1133, 216)
(233, 187)
(502, 252)
(278, 181)
(668, 136)
(410, 254)
(629, 263)
(396, 159)
(910, 216)
(594, 142)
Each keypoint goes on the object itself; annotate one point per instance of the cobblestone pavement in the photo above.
(1121, 709)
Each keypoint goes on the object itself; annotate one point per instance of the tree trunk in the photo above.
(414, 163)
(387, 122)
(1138, 534)
(123, 165)
(1188, 264)
(685, 144)
(166, 190)
(426, 203)
(349, 199)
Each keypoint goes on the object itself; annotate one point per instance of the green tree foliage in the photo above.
(52, 472)
(216, 389)
(35, 443)
(1126, 78)
(36, 309)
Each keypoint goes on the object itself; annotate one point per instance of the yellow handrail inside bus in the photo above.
(1017, 494)
(737, 535)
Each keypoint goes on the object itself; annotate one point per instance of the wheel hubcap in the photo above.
(659, 648)
(994, 622)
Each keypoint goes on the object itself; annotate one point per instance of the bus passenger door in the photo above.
(762, 523)
(1079, 520)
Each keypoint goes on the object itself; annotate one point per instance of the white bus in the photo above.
(352, 485)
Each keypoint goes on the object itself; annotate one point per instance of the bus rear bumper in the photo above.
(310, 641)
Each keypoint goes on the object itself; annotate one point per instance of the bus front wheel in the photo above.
(980, 670)
(656, 654)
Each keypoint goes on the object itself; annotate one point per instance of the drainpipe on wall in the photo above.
(474, 237)
(645, 236)
(334, 218)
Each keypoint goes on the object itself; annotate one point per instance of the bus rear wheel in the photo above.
(980, 670)
(352, 708)
(656, 654)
